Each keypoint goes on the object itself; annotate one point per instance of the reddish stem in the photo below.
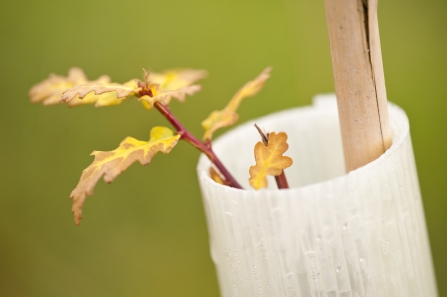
(281, 181)
(203, 147)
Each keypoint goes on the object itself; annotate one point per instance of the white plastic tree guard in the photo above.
(330, 234)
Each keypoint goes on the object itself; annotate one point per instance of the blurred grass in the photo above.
(145, 234)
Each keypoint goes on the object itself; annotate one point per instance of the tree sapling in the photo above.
(156, 91)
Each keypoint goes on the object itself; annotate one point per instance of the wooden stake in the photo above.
(359, 80)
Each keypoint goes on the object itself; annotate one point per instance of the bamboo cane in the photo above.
(359, 80)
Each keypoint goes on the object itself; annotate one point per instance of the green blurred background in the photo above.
(145, 234)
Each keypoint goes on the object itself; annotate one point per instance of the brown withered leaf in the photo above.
(50, 90)
(269, 160)
(111, 164)
(228, 116)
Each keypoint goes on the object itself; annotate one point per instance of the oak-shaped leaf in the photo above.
(228, 116)
(76, 90)
(113, 93)
(172, 84)
(164, 97)
(50, 90)
(174, 79)
(108, 98)
(111, 164)
(269, 159)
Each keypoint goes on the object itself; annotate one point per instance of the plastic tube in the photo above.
(330, 234)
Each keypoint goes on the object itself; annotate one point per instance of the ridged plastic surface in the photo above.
(330, 234)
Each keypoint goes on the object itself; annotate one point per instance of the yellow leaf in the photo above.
(269, 160)
(173, 83)
(76, 90)
(228, 116)
(111, 164)
(50, 90)
(217, 177)
(164, 97)
(174, 79)
(105, 99)
(105, 94)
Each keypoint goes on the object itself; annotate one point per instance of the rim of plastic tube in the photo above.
(399, 126)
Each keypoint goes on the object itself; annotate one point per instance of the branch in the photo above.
(203, 147)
